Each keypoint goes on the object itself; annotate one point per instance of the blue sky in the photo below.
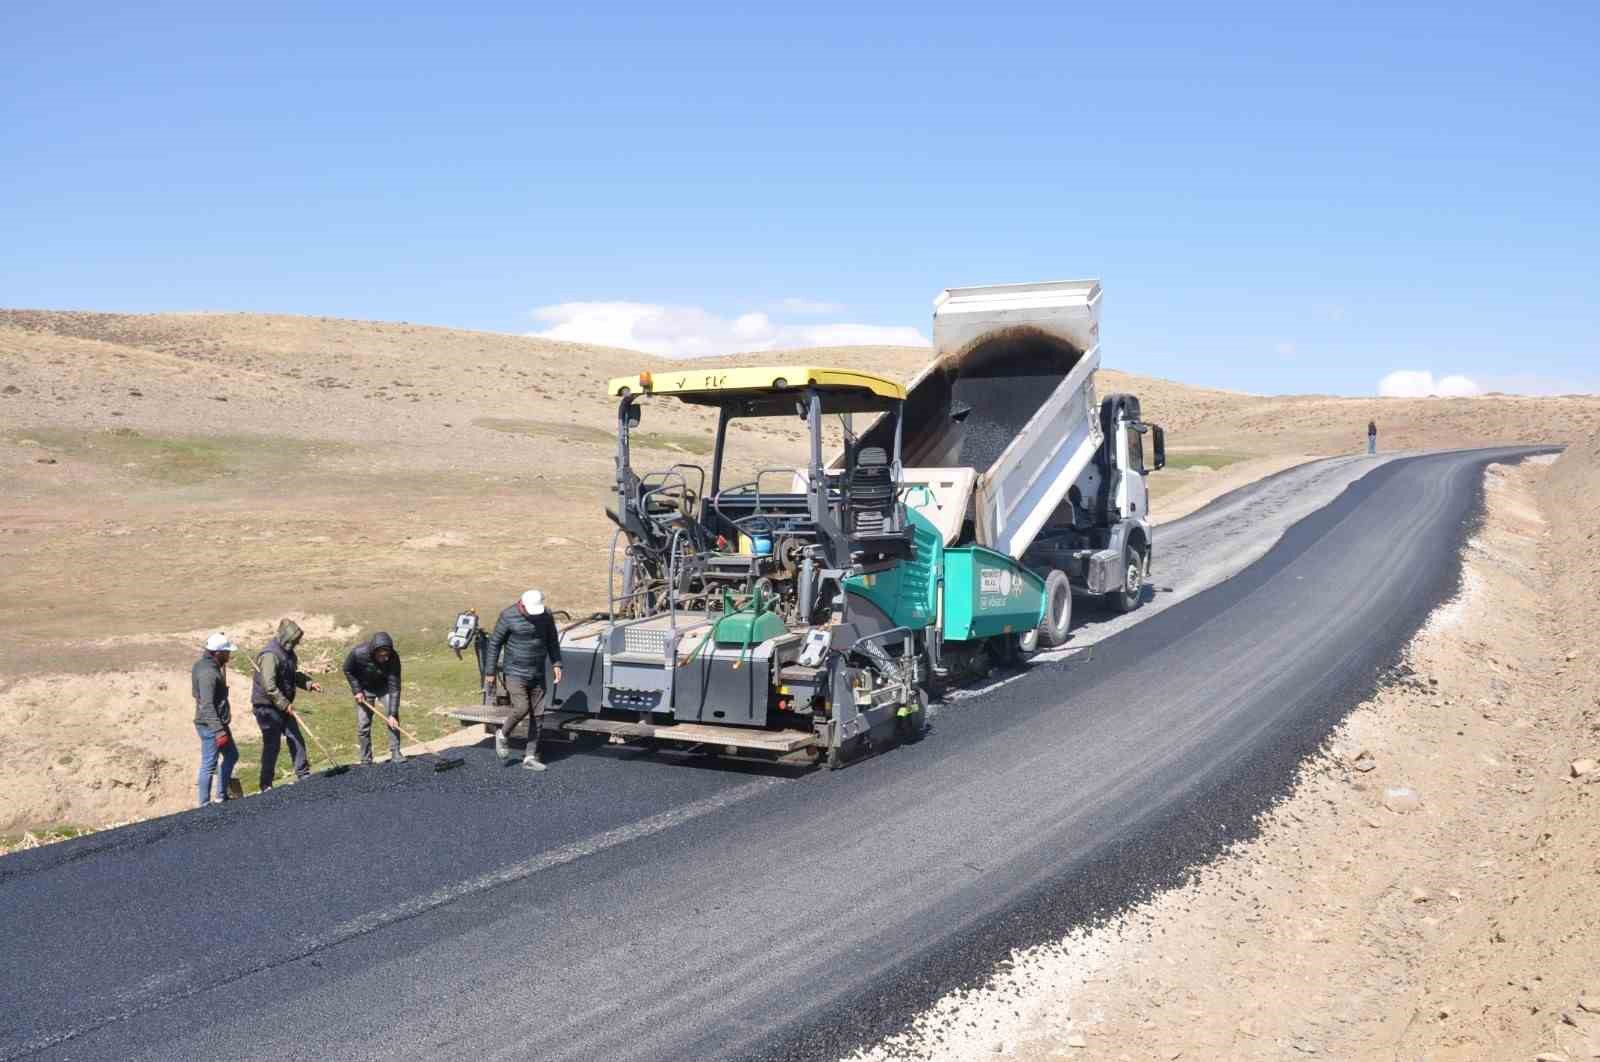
(1278, 197)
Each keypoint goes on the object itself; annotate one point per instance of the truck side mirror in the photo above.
(1159, 437)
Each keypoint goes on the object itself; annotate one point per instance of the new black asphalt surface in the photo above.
(625, 906)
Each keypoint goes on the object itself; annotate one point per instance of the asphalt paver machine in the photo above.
(804, 612)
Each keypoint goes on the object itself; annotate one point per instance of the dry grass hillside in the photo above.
(177, 471)
(169, 474)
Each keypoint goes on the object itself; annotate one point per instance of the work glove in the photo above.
(221, 739)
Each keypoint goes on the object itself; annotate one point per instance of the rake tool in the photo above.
(441, 763)
(327, 772)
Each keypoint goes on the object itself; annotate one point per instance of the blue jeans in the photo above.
(209, 766)
(1372, 444)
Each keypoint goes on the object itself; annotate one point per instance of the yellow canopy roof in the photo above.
(712, 385)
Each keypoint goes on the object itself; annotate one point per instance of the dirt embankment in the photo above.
(1428, 889)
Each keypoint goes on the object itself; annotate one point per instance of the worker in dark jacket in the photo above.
(373, 671)
(213, 717)
(1372, 436)
(278, 676)
(527, 634)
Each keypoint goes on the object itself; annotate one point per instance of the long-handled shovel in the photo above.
(327, 772)
(441, 763)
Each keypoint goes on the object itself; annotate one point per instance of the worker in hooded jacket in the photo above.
(373, 671)
(527, 634)
(278, 676)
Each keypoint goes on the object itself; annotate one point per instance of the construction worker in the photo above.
(213, 717)
(373, 671)
(278, 676)
(1372, 437)
(527, 634)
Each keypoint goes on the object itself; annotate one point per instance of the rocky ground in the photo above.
(1427, 890)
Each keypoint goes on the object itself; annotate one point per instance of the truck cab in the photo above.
(1101, 538)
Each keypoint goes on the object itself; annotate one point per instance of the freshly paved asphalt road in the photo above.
(624, 906)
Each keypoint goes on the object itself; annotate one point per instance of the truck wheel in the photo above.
(1057, 610)
(1128, 596)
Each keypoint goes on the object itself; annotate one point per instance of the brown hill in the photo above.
(175, 471)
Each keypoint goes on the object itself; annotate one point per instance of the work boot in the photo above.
(502, 749)
(531, 763)
(397, 757)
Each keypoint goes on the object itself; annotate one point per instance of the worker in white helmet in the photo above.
(213, 718)
(526, 634)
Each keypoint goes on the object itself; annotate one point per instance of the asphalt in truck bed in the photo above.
(629, 905)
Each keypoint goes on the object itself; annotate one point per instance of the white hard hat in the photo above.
(218, 643)
(533, 602)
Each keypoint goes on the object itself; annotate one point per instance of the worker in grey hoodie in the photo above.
(278, 676)
(213, 717)
(373, 671)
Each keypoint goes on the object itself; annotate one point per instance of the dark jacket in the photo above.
(366, 675)
(528, 642)
(210, 685)
(1372, 427)
(278, 672)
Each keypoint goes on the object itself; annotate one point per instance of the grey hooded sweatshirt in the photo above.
(279, 674)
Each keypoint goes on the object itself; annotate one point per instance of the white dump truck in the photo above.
(1004, 432)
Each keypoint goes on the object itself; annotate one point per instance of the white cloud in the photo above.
(1419, 383)
(810, 307)
(692, 331)
(1530, 383)
(1287, 350)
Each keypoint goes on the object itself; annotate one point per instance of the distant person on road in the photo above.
(373, 671)
(213, 718)
(278, 676)
(1372, 437)
(526, 632)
